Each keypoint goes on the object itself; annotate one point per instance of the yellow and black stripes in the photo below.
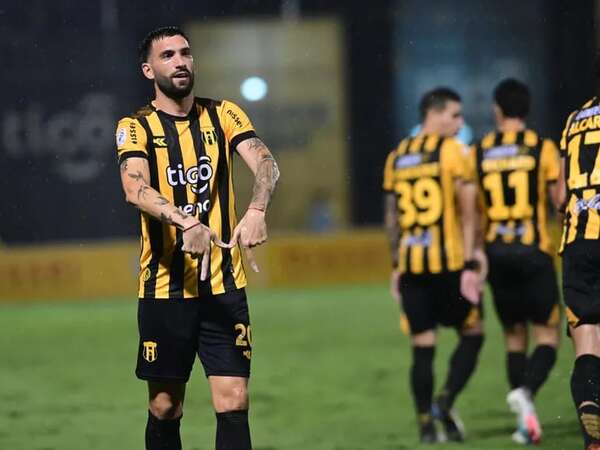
(421, 172)
(580, 146)
(190, 165)
(513, 171)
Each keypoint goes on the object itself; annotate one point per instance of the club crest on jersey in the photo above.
(150, 352)
(209, 136)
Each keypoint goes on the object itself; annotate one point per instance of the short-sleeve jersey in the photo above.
(513, 170)
(422, 173)
(579, 146)
(190, 161)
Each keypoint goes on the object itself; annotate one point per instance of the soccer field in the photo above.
(329, 372)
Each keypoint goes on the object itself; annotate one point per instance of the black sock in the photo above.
(585, 387)
(233, 431)
(421, 378)
(539, 366)
(462, 366)
(162, 434)
(516, 362)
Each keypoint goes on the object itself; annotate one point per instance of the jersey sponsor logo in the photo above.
(424, 239)
(132, 133)
(504, 151)
(235, 117)
(587, 112)
(583, 204)
(194, 209)
(198, 177)
(150, 351)
(121, 136)
(409, 161)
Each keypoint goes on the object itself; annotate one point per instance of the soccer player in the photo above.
(175, 157)
(517, 172)
(581, 258)
(430, 220)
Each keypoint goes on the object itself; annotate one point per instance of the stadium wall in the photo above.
(109, 269)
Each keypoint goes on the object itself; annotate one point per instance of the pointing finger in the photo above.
(251, 260)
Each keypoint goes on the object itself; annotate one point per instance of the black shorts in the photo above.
(172, 332)
(430, 300)
(581, 282)
(524, 285)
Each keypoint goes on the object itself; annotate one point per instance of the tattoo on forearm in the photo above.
(267, 173)
(166, 219)
(136, 176)
(180, 213)
(161, 201)
(143, 192)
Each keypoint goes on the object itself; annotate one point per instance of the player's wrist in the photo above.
(257, 208)
(190, 224)
(472, 264)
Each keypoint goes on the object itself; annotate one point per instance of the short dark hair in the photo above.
(155, 35)
(436, 99)
(513, 98)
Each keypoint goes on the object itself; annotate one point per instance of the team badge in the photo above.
(146, 274)
(121, 136)
(209, 136)
(150, 352)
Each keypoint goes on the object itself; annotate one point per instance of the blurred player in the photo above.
(176, 156)
(516, 170)
(430, 207)
(580, 247)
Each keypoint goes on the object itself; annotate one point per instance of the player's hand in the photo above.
(250, 232)
(196, 242)
(470, 286)
(395, 286)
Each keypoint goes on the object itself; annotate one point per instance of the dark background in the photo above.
(69, 71)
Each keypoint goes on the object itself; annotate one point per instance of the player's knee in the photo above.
(234, 398)
(164, 407)
(546, 335)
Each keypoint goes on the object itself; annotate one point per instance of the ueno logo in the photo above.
(197, 177)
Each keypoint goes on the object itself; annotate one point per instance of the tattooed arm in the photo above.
(252, 229)
(135, 177)
(392, 228)
(266, 173)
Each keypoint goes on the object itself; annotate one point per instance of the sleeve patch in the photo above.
(121, 136)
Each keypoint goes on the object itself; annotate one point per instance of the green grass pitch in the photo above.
(329, 372)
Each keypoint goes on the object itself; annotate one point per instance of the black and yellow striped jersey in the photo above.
(513, 170)
(190, 160)
(421, 172)
(579, 145)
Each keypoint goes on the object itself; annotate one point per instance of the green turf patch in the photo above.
(329, 373)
